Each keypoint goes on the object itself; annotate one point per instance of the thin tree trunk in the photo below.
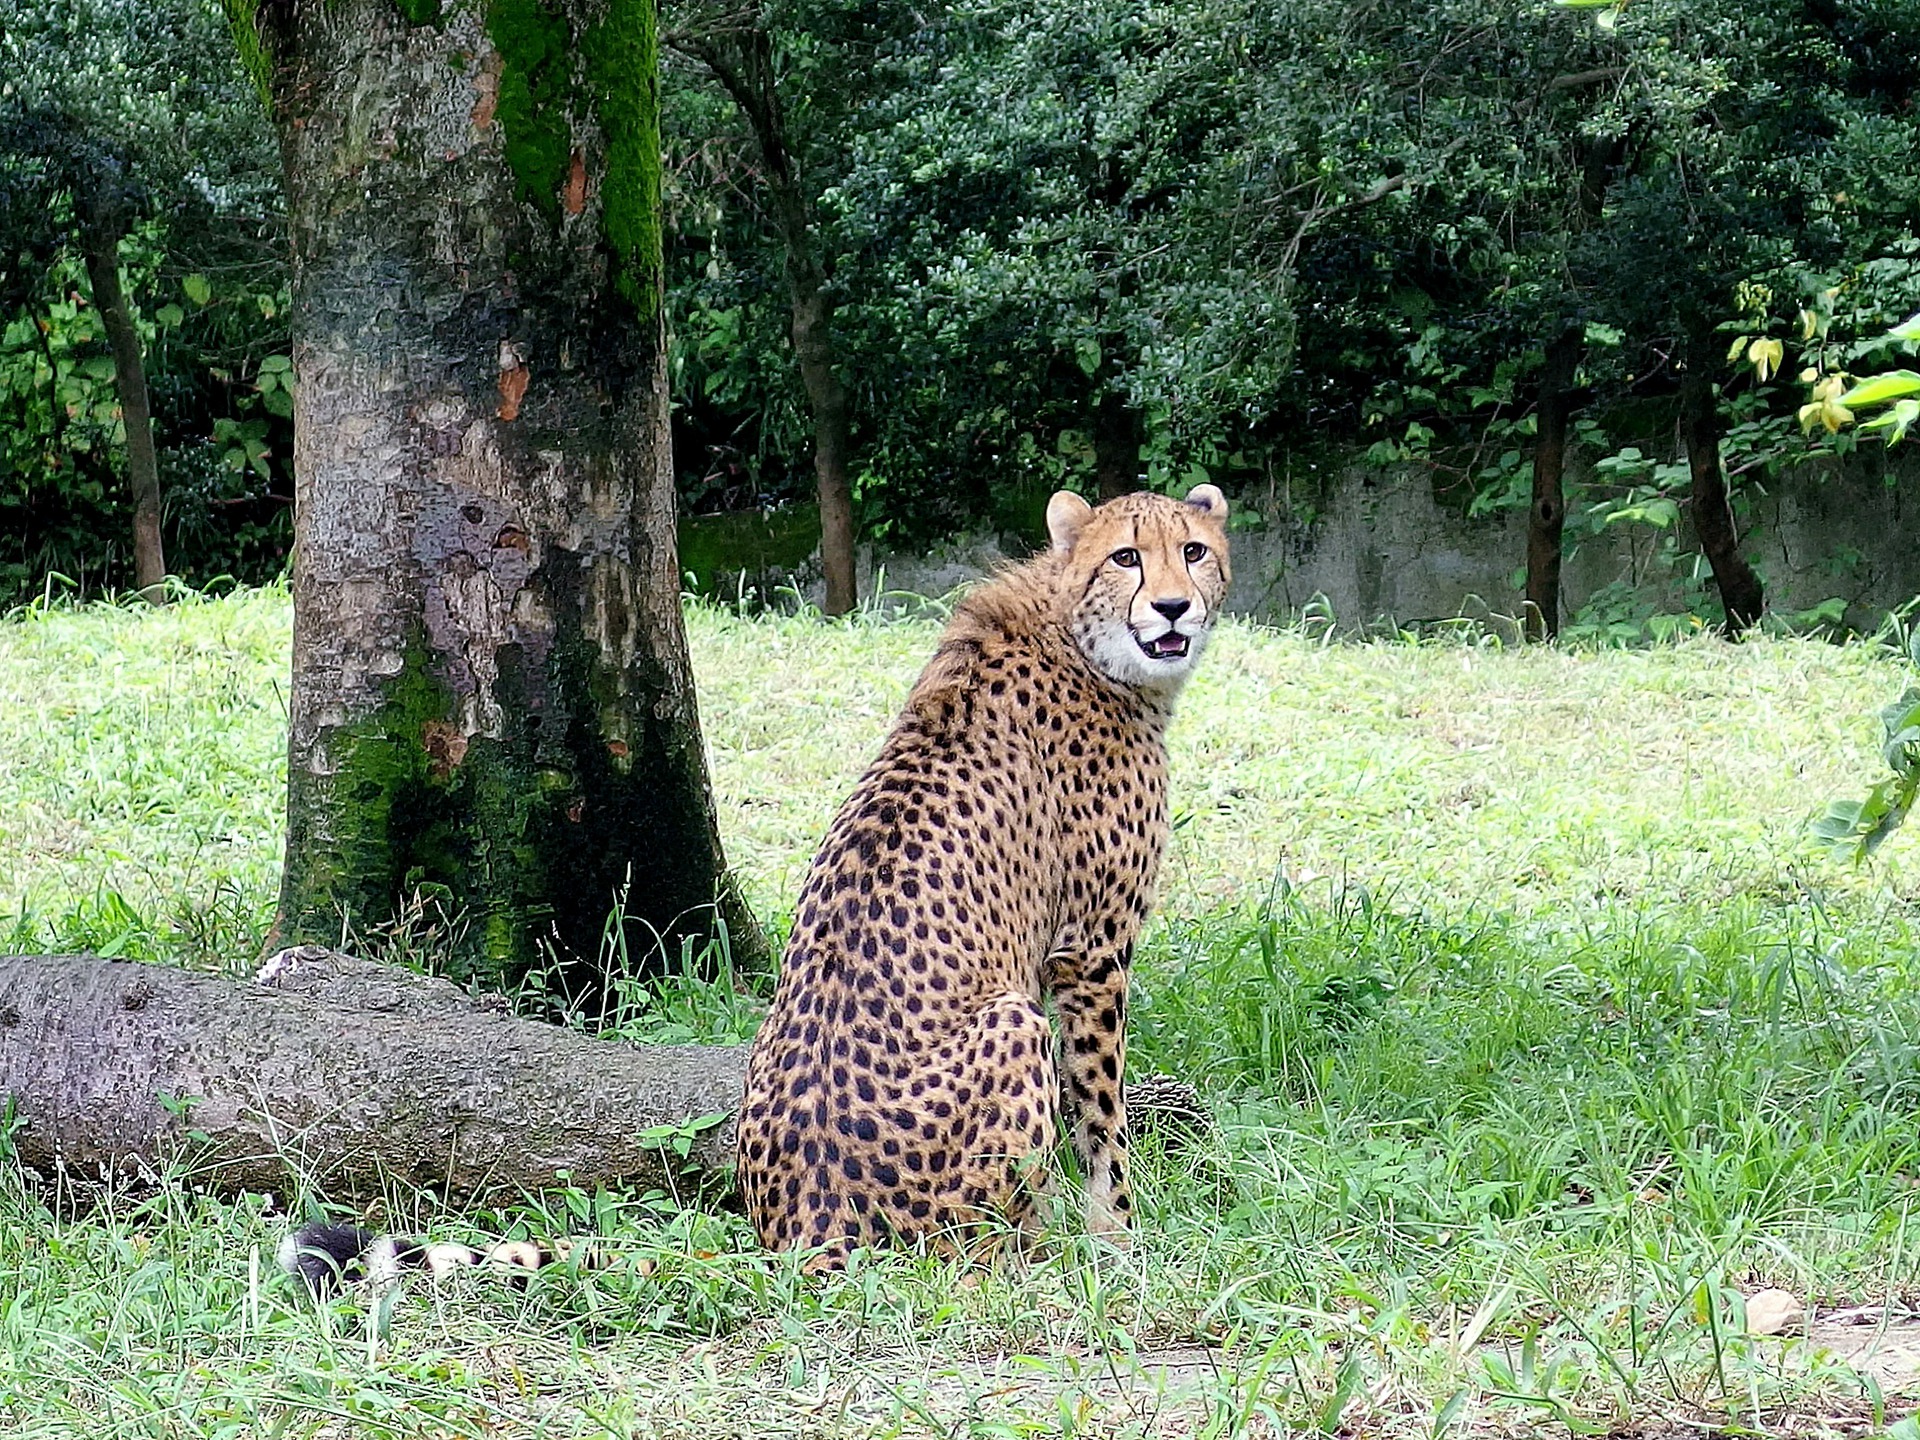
(1116, 447)
(102, 244)
(341, 1076)
(1547, 515)
(744, 70)
(813, 344)
(1741, 594)
(493, 708)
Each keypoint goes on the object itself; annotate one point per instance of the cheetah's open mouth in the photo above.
(1170, 646)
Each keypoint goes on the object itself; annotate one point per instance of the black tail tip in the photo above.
(326, 1256)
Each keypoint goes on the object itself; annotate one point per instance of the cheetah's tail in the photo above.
(328, 1256)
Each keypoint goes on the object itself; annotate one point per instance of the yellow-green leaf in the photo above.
(1897, 421)
(1879, 389)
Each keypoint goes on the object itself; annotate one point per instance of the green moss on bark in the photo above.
(537, 104)
(526, 839)
(535, 65)
(345, 871)
(243, 19)
(412, 808)
(624, 51)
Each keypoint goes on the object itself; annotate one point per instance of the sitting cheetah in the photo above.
(1002, 848)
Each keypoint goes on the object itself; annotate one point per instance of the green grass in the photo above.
(143, 776)
(1535, 1035)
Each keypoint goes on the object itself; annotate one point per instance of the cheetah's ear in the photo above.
(1207, 498)
(1066, 516)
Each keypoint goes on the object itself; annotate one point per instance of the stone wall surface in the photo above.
(1380, 548)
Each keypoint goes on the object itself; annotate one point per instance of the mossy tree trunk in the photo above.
(492, 705)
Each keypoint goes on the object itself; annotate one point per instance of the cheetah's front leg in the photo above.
(1092, 1007)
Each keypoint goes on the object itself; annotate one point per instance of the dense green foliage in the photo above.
(1217, 226)
(146, 108)
(1073, 243)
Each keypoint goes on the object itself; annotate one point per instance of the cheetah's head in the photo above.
(1145, 576)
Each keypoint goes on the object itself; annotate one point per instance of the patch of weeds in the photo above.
(696, 997)
(104, 923)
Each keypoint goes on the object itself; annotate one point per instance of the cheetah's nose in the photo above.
(1173, 609)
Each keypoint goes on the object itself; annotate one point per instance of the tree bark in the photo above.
(743, 66)
(1741, 594)
(1116, 447)
(1547, 515)
(337, 1075)
(340, 1076)
(102, 233)
(492, 705)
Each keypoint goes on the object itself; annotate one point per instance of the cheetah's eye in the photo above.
(1195, 552)
(1127, 559)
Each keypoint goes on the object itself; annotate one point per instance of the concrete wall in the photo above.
(1379, 549)
(1385, 551)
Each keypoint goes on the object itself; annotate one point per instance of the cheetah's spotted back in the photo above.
(1003, 847)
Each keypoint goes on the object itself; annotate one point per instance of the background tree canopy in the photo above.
(1088, 242)
(129, 130)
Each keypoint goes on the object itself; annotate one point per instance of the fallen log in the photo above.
(331, 1075)
(342, 1077)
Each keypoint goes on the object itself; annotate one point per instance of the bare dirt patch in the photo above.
(1184, 1390)
(1885, 1347)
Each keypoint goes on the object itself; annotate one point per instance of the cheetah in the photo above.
(1001, 850)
